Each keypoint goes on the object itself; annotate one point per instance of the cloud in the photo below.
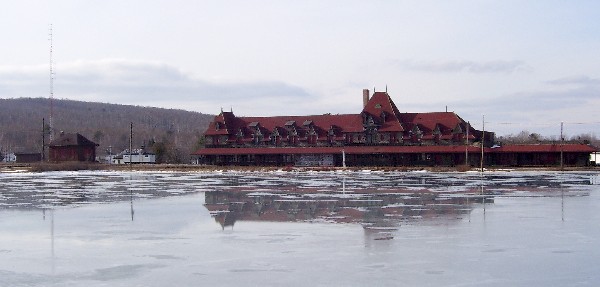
(575, 80)
(523, 104)
(463, 66)
(149, 83)
(141, 83)
(539, 111)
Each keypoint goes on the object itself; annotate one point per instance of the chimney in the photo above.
(365, 97)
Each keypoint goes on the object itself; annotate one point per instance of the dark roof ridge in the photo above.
(297, 116)
(71, 139)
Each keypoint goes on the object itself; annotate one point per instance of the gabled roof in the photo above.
(348, 122)
(321, 123)
(380, 112)
(382, 108)
(428, 121)
(381, 101)
(222, 123)
(71, 139)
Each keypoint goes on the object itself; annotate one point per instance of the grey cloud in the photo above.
(533, 110)
(139, 82)
(463, 66)
(576, 80)
(538, 101)
(24, 82)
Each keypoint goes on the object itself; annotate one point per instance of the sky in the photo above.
(513, 64)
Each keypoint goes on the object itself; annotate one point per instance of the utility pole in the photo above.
(562, 140)
(130, 143)
(43, 139)
(482, 141)
(467, 147)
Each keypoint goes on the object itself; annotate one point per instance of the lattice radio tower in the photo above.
(51, 120)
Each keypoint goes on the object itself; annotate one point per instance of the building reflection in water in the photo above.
(379, 212)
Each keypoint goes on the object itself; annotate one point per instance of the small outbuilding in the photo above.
(25, 157)
(136, 156)
(72, 147)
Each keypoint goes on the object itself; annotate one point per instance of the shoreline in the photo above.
(77, 166)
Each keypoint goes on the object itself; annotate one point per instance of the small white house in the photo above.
(137, 156)
(9, 157)
(595, 158)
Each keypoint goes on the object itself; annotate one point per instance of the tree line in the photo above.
(527, 137)
(172, 134)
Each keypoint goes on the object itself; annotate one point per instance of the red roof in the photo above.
(322, 124)
(381, 105)
(349, 122)
(380, 112)
(219, 125)
(71, 139)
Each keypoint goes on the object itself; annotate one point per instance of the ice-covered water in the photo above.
(299, 229)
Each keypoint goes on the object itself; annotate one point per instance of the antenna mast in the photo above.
(51, 121)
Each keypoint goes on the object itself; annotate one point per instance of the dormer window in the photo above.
(293, 132)
(416, 130)
(370, 121)
(457, 130)
(275, 132)
(436, 130)
(217, 126)
(416, 134)
(307, 123)
(255, 126)
(383, 116)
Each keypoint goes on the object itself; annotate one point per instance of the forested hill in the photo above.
(175, 133)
